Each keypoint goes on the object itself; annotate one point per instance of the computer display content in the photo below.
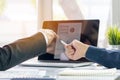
(84, 30)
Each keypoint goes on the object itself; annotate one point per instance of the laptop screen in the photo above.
(84, 30)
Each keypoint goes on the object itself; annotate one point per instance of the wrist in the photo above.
(85, 49)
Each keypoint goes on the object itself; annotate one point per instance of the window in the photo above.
(84, 9)
(18, 19)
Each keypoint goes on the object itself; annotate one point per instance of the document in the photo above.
(67, 32)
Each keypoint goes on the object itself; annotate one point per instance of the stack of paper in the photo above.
(102, 72)
(105, 74)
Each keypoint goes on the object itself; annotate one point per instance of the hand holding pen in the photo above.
(75, 50)
(69, 49)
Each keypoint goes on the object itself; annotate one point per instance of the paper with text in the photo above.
(67, 32)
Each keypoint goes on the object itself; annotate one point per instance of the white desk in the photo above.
(52, 72)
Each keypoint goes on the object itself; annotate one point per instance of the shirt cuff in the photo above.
(46, 38)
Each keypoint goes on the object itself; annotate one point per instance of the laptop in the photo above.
(85, 30)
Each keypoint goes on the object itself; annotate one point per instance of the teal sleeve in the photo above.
(108, 58)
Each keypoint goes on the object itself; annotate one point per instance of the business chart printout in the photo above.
(67, 32)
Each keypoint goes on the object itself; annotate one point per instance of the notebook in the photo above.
(84, 30)
(86, 72)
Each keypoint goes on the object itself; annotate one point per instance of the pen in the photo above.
(63, 42)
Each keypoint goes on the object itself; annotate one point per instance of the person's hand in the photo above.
(76, 50)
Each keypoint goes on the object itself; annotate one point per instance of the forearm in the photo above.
(21, 50)
(108, 58)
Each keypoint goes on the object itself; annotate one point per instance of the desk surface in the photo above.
(52, 72)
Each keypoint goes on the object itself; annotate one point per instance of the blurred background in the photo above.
(22, 18)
